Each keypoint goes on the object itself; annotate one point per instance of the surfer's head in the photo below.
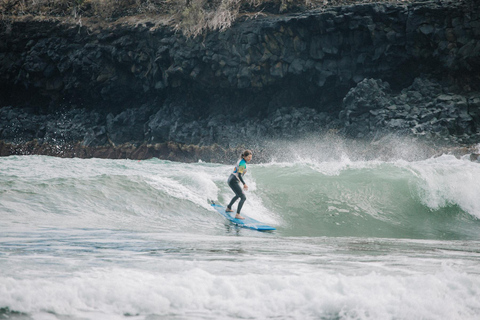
(247, 155)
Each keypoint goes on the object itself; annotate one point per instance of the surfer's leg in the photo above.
(229, 207)
(233, 183)
(240, 204)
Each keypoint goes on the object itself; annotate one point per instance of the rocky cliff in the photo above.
(132, 89)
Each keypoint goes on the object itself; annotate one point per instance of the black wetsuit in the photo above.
(234, 182)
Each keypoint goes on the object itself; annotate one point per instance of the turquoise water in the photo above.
(355, 239)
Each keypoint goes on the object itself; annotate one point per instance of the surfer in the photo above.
(234, 182)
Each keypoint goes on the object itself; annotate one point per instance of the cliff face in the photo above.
(274, 76)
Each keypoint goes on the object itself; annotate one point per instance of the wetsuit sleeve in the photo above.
(240, 177)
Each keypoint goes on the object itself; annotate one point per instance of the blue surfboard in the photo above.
(248, 222)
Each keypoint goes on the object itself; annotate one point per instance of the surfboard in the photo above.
(248, 222)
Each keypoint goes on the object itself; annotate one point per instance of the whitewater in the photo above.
(356, 238)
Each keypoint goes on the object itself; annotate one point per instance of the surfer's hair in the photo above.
(245, 154)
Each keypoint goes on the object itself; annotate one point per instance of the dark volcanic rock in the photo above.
(360, 70)
(424, 109)
(309, 53)
(128, 126)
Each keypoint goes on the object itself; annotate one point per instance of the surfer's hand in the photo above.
(245, 187)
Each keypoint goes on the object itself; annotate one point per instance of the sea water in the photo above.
(125, 239)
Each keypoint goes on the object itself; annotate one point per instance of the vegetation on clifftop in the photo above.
(192, 17)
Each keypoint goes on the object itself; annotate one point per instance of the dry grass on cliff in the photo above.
(192, 17)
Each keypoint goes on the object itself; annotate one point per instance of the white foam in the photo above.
(446, 181)
(478, 148)
(328, 168)
(192, 182)
(318, 294)
(335, 168)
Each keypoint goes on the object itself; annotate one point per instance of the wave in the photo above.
(425, 199)
(436, 198)
(110, 239)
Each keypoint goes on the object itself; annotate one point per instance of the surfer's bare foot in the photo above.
(238, 216)
(229, 210)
